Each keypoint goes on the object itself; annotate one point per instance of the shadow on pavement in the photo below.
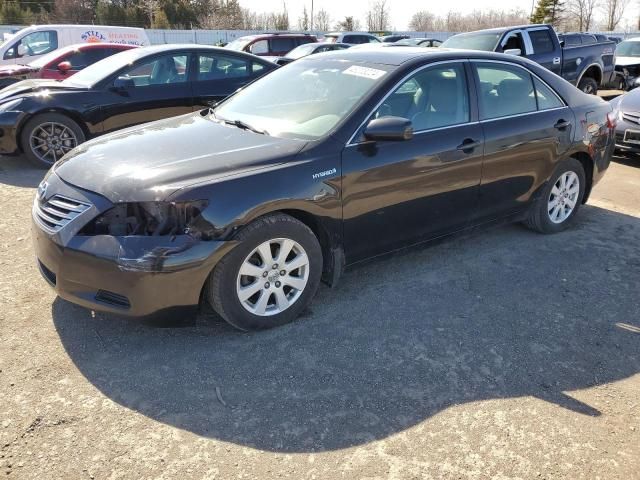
(17, 171)
(496, 314)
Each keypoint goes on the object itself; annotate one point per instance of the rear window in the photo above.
(541, 41)
(282, 44)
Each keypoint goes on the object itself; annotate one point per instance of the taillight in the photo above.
(612, 120)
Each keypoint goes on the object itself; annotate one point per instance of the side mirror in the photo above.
(22, 50)
(389, 129)
(123, 83)
(513, 51)
(64, 67)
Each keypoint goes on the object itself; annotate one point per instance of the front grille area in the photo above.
(56, 212)
(111, 298)
(631, 117)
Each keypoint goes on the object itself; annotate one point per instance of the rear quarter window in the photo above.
(282, 44)
(541, 41)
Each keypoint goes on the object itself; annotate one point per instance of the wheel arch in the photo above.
(587, 164)
(594, 71)
(61, 111)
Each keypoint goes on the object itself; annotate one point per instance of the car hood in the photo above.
(626, 61)
(32, 86)
(11, 70)
(629, 102)
(152, 161)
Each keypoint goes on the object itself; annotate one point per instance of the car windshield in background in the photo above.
(304, 100)
(301, 51)
(49, 57)
(238, 44)
(93, 74)
(628, 49)
(486, 41)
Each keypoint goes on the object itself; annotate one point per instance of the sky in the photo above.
(401, 10)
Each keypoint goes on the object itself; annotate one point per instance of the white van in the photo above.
(32, 42)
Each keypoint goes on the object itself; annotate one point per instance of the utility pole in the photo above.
(311, 26)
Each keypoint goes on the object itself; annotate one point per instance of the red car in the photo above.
(62, 63)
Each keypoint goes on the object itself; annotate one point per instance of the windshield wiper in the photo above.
(245, 126)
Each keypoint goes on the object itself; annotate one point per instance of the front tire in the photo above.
(270, 277)
(47, 137)
(560, 200)
(588, 85)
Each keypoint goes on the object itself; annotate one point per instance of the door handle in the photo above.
(468, 144)
(562, 124)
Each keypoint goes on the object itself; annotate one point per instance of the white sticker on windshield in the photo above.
(366, 72)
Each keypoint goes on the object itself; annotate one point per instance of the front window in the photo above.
(159, 71)
(432, 98)
(628, 49)
(474, 41)
(36, 43)
(305, 100)
(97, 72)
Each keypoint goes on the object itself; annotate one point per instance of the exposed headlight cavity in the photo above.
(146, 219)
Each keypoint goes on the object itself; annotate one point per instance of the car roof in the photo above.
(333, 34)
(505, 29)
(269, 35)
(400, 55)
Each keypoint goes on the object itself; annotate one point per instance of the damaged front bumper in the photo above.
(129, 275)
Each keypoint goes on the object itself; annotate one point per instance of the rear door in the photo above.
(399, 192)
(154, 88)
(217, 75)
(545, 49)
(526, 126)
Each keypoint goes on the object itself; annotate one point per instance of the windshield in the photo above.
(301, 51)
(486, 41)
(306, 99)
(93, 74)
(238, 44)
(49, 57)
(628, 49)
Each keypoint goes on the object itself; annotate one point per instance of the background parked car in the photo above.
(32, 42)
(540, 43)
(270, 44)
(46, 119)
(627, 110)
(351, 38)
(310, 49)
(420, 42)
(62, 63)
(393, 38)
(628, 62)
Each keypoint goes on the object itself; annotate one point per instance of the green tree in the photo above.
(548, 11)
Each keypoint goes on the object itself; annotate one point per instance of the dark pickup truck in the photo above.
(587, 66)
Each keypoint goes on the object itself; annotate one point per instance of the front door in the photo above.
(527, 127)
(151, 89)
(400, 192)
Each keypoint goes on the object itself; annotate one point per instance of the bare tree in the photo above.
(422, 21)
(378, 16)
(581, 13)
(614, 10)
(349, 24)
(322, 20)
(303, 20)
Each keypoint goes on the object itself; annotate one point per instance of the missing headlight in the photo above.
(146, 219)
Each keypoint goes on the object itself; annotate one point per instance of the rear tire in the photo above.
(588, 85)
(47, 137)
(270, 277)
(560, 200)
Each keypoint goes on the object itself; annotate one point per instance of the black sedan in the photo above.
(627, 111)
(310, 49)
(46, 119)
(325, 162)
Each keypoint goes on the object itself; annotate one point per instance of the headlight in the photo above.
(147, 219)
(8, 106)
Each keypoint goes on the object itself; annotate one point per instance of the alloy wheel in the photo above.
(51, 141)
(563, 197)
(272, 277)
